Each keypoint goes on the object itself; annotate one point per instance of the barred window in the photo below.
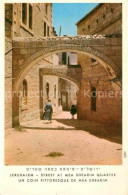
(44, 29)
(24, 13)
(64, 57)
(48, 31)
(93, 99)
(30, 16)
(47, 90)
(55, 91)
(25, 92)
(46, 8)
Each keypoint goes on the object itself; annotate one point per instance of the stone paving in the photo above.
(81, 143)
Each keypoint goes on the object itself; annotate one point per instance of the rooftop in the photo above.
(90, 13)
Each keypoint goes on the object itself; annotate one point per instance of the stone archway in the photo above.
(63, 72)
(54, 72)
(28, 51)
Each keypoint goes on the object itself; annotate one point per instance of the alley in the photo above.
(80, 142)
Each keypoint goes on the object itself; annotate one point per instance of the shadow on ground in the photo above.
(111, 133)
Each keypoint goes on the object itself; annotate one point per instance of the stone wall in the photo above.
(39, 17)
(104, 19)
(31, 110)
(107, 68)
(68, 94)
(34, 107)
(8, 19)
(106, 48)
(36, 81)
(14, 27)
(53, 93)
(8, 82)
(108, 99)
(71, 58)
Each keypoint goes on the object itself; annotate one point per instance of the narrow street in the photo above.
(80, 142)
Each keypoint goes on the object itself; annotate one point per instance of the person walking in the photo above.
(73, 111)
(48, 111)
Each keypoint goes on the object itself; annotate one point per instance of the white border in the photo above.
(121, 185)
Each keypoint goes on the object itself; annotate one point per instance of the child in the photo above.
(73, 111)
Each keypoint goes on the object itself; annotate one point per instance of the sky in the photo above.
(67, 15)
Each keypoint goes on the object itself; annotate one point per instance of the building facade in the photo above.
(95, 69)
(105, 18)
(68, 58)
(95, 101)
(28, 20)
(67, 89)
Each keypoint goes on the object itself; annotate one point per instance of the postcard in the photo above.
(64, 98)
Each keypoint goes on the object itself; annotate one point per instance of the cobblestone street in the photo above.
(81, 142)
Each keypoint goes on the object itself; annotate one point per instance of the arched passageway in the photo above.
(50, 87)
(61, 90)
(35, 50)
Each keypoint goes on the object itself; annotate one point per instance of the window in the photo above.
(55, 91)
(27, 13)
(97, 21)
(48, 31)
(104, 16)
(64, 58)
(30, 16)
(111, 10)
(47, 90)
(93, 99)
(68, 60)
(44, 29)
(46, 8)
(25, 91)
(88, 26)
(93, 60)
(24, 13)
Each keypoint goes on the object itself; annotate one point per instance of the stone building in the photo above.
(31, 56)
(105, 18)
(67, 58)
(68, 94)
(28, 20)
(67, 89)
